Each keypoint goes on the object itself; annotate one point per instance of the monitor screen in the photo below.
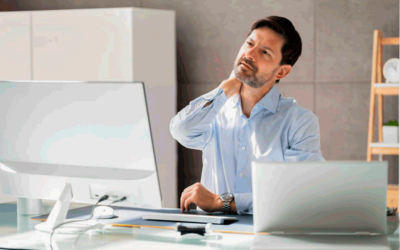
(93, 137)
(76, 123)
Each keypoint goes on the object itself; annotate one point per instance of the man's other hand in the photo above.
(200, 196)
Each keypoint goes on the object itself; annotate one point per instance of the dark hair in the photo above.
(291, 49)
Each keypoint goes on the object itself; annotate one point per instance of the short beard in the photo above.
(253, 81)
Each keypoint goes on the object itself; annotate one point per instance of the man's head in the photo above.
(269, 52)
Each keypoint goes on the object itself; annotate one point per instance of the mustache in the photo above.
(248, 62)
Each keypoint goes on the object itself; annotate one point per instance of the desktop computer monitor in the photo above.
(75, 142)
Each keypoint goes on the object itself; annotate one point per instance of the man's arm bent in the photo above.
(192, 125)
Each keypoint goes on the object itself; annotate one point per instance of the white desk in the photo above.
(18, 232)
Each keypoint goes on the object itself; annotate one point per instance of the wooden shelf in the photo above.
(386, 88)
(380, 148)
(390, 41)
(385, 151)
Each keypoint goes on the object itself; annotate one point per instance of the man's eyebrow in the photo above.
(265, 47)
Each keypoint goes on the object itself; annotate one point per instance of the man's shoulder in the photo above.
(290, 107)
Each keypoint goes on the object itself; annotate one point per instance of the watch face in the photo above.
(226, 197)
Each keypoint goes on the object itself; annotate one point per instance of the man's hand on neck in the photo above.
(249, 96)
(231, 86)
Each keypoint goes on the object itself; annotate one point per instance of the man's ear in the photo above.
(283, 71)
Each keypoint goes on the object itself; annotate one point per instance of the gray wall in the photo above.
(331, 78)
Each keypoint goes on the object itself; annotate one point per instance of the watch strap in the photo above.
(227, 207)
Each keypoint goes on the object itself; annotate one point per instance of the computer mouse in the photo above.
(103, 212)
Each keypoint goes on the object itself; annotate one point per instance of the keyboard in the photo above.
(189, 218)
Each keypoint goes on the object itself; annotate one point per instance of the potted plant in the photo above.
(391, 132)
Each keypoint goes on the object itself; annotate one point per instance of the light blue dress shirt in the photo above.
(277, 130)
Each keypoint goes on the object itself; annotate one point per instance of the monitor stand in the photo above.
(58, 216)
(27, 206)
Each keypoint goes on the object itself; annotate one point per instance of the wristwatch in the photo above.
(226, 199)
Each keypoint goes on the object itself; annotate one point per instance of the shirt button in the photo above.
(243, 148)
(247, 122)
(240, 174)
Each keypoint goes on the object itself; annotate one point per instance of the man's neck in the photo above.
(251, 96)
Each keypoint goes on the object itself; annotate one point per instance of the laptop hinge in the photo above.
(363, 233)
(277, 232)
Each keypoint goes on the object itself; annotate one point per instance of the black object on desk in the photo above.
(193, 229)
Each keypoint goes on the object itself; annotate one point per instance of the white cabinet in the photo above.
(15, 53)
(117, 44)
(15, 46)
(83, 44)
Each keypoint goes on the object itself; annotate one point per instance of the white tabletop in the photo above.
(17, 231)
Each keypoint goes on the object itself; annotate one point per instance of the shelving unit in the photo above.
(378, 91)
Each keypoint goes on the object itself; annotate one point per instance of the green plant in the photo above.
(392, 123)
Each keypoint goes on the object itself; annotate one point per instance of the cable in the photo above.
(122, 199)
(77, 238)
(104, 197)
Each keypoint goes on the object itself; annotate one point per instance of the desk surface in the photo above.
(17, 231)
(132, 217)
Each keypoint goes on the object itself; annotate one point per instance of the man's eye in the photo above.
(248, 43)
(265, 52)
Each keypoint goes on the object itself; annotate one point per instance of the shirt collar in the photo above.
(269, 101)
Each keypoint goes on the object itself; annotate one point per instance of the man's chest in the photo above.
(262, 137)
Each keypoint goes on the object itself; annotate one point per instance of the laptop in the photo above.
(320, 197)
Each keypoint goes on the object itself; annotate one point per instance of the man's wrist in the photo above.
(233, 206)
(219, 204)
(219, 207)
(226, 203)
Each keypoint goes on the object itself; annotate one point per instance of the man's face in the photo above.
(259, 58)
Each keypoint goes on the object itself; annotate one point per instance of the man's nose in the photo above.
(251, 54)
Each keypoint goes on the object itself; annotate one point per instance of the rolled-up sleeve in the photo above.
(192, 126)
(244, 203)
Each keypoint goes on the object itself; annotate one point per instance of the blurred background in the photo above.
(332, 77)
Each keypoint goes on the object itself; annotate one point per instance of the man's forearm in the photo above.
(190, 126)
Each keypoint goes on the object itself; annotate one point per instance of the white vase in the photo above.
(390, 134)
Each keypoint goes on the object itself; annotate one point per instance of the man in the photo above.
(247, 119)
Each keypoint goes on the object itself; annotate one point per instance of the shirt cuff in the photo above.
(217, 98)
(244, 203)
(210, 96)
